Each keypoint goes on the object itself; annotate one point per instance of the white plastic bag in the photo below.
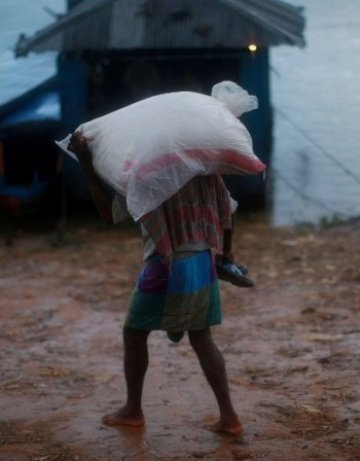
(236, 99)
(149, 150)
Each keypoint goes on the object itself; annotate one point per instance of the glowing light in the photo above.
(252, 47)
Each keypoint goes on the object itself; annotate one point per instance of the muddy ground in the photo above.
(291, 345)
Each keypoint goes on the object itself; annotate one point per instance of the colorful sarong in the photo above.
(182, 297)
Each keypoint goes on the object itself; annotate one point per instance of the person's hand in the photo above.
(227, 257)
(78, 145)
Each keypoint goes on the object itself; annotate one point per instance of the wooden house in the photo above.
(114, 52)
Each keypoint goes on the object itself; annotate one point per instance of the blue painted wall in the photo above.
(254, 76)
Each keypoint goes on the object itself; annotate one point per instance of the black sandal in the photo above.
(234, 274)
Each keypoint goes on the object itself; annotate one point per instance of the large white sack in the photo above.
(147, 151)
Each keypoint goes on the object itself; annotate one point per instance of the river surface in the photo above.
(315, 94)
(316, 97)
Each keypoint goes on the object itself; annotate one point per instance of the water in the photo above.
(315, 93)
(24, 16)
(317, 90)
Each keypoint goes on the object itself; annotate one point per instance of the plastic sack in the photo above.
(148, 150)
(236, 99)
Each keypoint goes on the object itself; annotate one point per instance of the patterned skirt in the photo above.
(182, 297)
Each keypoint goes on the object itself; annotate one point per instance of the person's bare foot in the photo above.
(124, 417)
(231, 427)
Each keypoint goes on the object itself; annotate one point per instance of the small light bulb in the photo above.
(252, 47)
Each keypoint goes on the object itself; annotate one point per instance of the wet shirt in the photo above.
(193, 219)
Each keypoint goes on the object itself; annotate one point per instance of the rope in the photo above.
(317, 146)
(304, 196)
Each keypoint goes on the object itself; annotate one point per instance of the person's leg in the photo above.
(136, 361)
(213, 366)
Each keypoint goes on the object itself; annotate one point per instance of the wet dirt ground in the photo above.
(291, 346)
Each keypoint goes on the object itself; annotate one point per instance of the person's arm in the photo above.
(99, 194)
(228, 233)
(227, 244)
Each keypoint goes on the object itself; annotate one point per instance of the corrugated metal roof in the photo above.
(170, 24)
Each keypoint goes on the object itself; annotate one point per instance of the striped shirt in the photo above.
(193, 219)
